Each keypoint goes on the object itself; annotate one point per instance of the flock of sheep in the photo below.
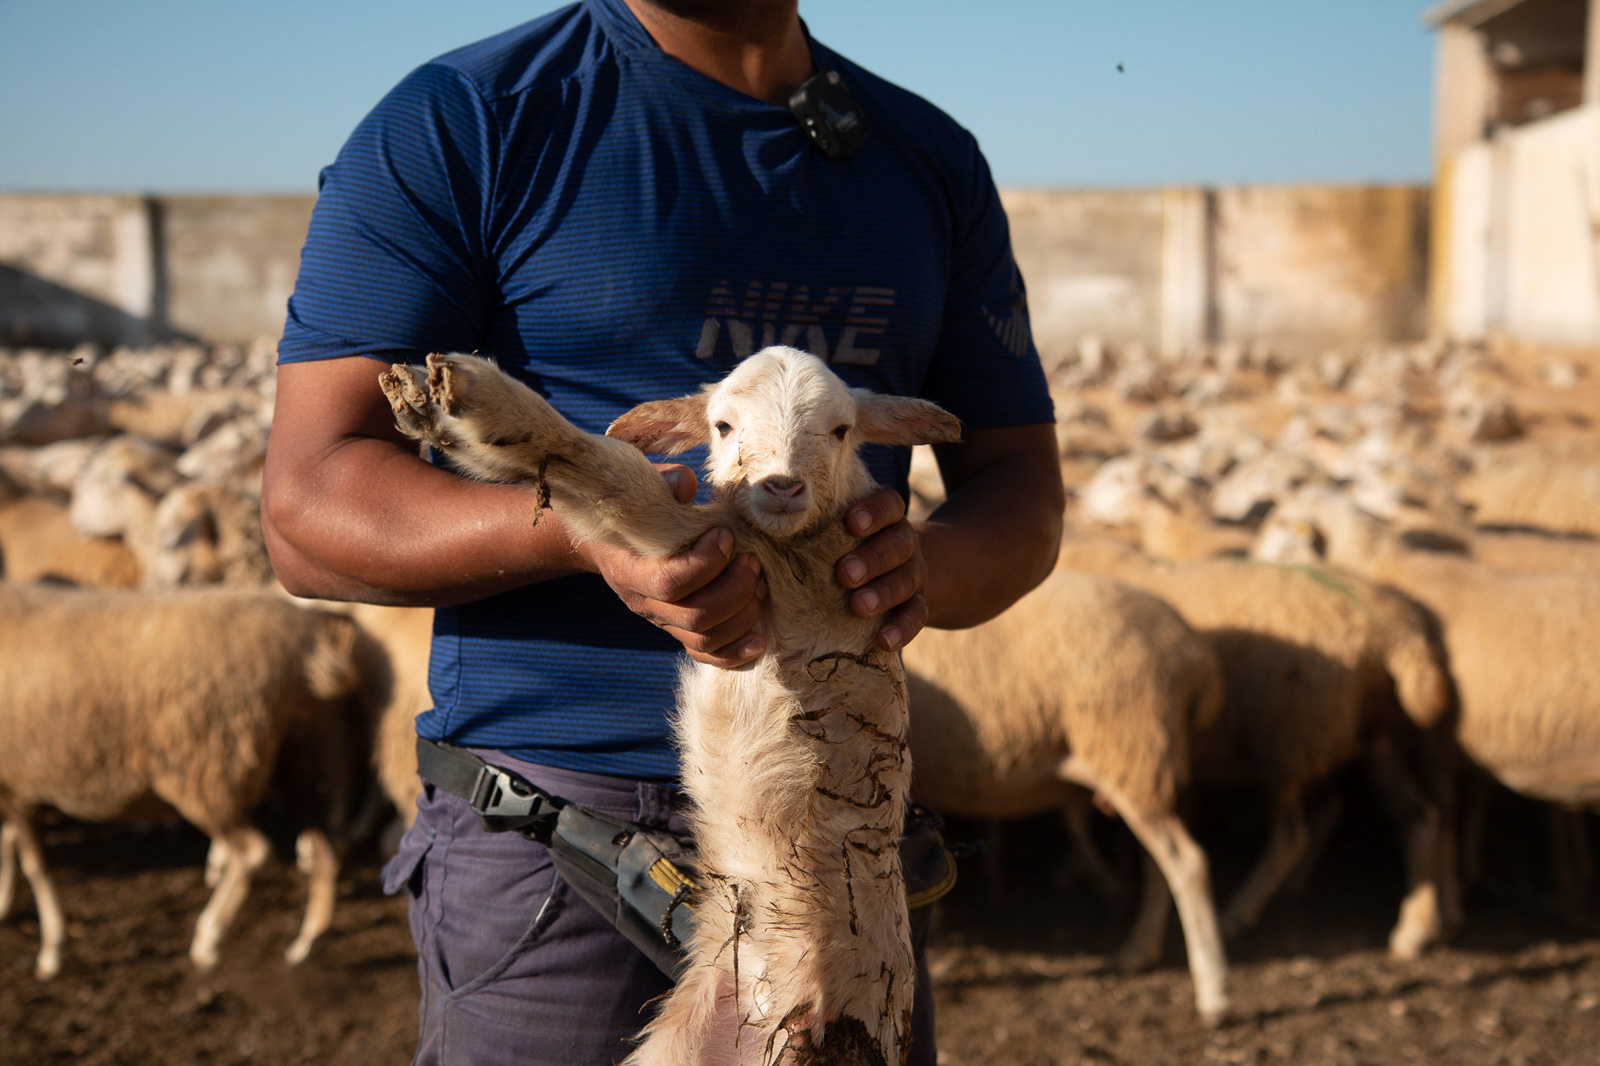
(1274, 569)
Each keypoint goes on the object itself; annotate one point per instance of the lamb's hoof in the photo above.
(47, 965)
(1215, 1016)
(414, 410)
(204, 958)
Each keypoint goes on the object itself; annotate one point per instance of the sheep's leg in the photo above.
(52, 926)
(1143, 947)
(1076, 814)
(495, 427)
(247, 850)
(1183, 864)
(8, 867)
(316, 858)
(1474, 819)
(216, 861)
(994, 875)
(1323, 809)
(1571, 868)
(1287, 844)
(1420, 923)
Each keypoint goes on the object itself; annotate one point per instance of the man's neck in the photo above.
(754, 46)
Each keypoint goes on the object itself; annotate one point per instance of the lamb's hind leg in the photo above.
(495, 427)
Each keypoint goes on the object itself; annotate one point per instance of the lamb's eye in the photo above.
(723, 429)
(841, 431)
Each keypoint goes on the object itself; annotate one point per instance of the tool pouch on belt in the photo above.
(641, 879)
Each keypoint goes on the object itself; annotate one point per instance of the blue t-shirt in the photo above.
(612, 226)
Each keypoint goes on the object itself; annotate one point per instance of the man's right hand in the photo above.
(706, 598)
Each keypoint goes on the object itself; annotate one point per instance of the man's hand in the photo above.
(886, 569)
(708, 600)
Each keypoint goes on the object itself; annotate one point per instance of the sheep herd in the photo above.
(1275, 568)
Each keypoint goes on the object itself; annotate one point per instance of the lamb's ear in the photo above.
(664, 427)
(904, 420)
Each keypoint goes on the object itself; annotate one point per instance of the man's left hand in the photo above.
(886, 569)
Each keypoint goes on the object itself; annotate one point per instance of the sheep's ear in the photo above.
(903, 420)
(664, 427)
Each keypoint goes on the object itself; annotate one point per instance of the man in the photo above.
(616, 203)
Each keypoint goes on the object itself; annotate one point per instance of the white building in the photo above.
(1516, 210)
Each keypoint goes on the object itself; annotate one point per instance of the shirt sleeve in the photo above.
(985, 369)
(395, 257)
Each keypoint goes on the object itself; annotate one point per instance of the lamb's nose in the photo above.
(782, 486)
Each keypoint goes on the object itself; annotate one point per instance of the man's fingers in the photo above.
(879, 554)
(903, 623)
(717, 614)
(670, 580)
(736, 653)
(876, 510)
(680, 479)
(887, 592)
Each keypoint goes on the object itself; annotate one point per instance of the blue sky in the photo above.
(191, 96)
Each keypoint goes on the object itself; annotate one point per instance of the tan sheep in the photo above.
(1521, 646)
(405, 634)
(37, 540)
(1537, 487)
(116, 704)
(1084, 683)
(1319, 670)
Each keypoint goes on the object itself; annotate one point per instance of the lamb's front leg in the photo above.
(494, 427)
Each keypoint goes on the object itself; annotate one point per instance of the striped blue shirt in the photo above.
(612, 226)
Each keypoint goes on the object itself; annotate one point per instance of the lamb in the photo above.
(119, 704)
(1083, 682)
(796, 765)
(1314, 665)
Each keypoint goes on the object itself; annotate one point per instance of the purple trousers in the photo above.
(515, 966)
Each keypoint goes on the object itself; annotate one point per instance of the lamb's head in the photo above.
(783, 432)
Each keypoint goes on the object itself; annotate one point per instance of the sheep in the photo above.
(1083, 682)
(1521, 646)
(405, 635)
(116, 704)
(1312, 664)
(37, 541)
(1542, 487)
(795, 765)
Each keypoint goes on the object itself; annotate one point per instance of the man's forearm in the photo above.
(994, 538)
(372, 522)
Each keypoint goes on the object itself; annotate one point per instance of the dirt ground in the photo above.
(1020, 963)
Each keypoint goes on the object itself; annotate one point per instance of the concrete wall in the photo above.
(1298, 268)
(231, 262)
(1294, 267)
(133, 269)
(1305, 267)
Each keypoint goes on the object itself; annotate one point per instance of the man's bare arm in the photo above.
(350, 512)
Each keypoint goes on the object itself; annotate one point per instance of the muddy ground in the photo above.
(1022, 981)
